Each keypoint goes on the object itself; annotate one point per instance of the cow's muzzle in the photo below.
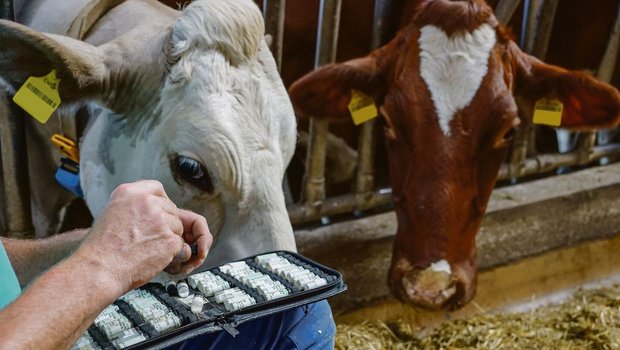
(436, 287)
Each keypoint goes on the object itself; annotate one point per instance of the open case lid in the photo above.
(151, 318)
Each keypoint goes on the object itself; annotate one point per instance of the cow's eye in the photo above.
(191, 170)
(509, 135)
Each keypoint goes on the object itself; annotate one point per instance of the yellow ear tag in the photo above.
(39, 96)
(362, 107)
(548, 111)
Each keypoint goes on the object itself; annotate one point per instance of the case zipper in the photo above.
(228, 327)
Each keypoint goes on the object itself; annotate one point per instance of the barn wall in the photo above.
(521, 221)
(519, 287)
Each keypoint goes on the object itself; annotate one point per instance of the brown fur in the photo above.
(442, 185)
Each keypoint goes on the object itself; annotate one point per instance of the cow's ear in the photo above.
(588, 103)
(25, 53)
(326, 92)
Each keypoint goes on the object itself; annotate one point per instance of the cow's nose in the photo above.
(436, 288)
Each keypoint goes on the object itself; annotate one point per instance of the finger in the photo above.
(184, 254)
(174, 268)
(179, 245)
(167, 205)
(153, 187)
(145, 186)
(195, 228)
(176, 225)
(203, 244)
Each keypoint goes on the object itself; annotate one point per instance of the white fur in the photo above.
(224, 104)
(441, 265)
(453, 67)
(217, 98)
(230, 27)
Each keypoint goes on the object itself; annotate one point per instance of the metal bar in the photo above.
(365, 176)
(300, 214)
(381, 27)
(539, 41)
(544, 28)
(530, 23)
(327, 37)
(6, 10)
(549, 162)
(519, 149)
(587, 140)
(520, 143)
(16, 186)
(314, 178)
(539, 20)
(536, 38)
(608, 63)
(327, 42)
(15, 170)
(505, 10)
(274, 13)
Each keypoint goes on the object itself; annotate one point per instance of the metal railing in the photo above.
(365, 195)
(523, 161)
(16, 185)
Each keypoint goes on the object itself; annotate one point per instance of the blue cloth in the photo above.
(308, 327)
(9, 286)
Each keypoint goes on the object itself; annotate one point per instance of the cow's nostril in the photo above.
(429, 288)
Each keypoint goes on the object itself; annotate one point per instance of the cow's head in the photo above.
(192, 99)
(446, 87)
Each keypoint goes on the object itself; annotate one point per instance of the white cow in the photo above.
(192, 99)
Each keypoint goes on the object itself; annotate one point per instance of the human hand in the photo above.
(137, 235)
(195, 231)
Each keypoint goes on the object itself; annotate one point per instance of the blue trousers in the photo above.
(308, 327)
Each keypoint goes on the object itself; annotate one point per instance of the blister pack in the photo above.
(220, 298)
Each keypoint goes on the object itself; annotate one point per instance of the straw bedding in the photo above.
(589, 320)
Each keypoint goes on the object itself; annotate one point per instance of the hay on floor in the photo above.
(589, 320)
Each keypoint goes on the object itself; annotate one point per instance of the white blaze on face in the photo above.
(453, 67)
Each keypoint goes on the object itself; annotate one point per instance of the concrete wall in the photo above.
(521, 221)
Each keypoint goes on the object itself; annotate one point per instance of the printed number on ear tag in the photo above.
(362, 107)
(548, 111)
(39, 96)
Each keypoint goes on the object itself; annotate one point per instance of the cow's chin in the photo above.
(432, 288)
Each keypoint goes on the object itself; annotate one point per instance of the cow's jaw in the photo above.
(250, 232)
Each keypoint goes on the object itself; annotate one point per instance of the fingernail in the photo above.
(181, 256)
(204, 255)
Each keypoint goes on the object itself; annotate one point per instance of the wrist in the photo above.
(96, 273)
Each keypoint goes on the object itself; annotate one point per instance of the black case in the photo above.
(214, 318)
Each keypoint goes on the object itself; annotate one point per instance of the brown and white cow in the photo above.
(192, 99)
(446, 87)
